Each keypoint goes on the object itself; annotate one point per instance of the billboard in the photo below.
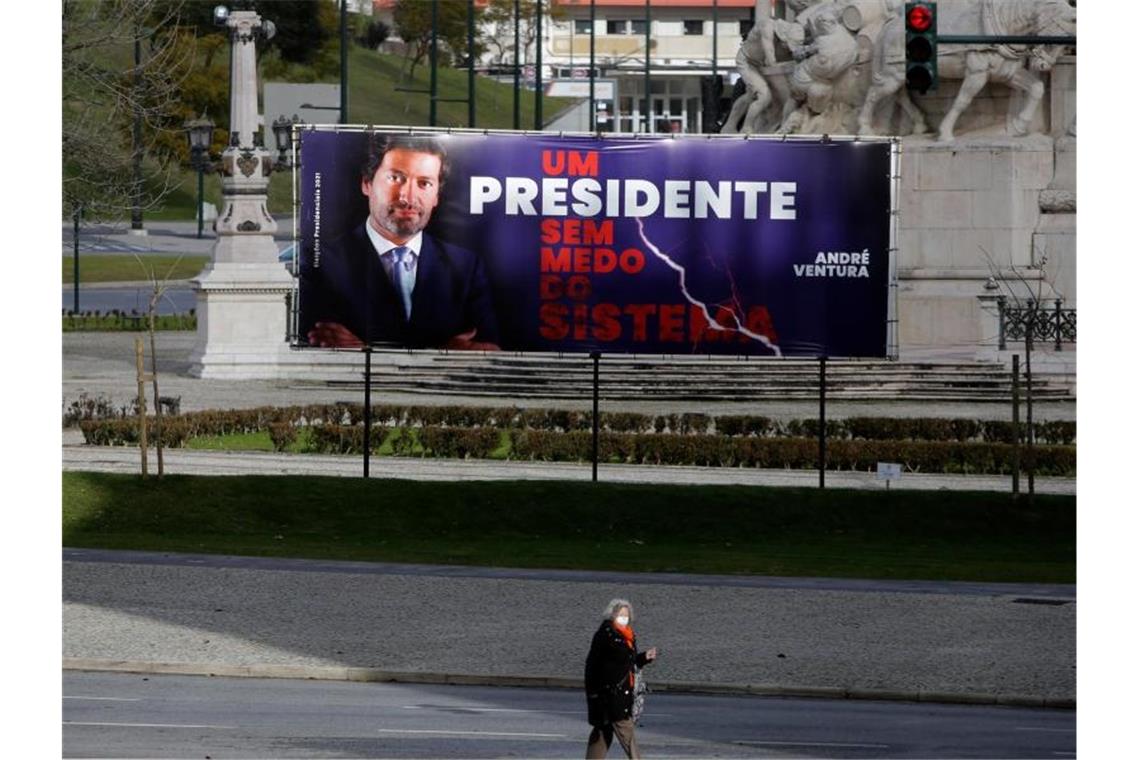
(574, 243)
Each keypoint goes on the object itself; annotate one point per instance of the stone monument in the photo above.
(242, 304)
(988, 202)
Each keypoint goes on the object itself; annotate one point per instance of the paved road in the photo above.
(202, 614)
(120, 715)
(162, 237)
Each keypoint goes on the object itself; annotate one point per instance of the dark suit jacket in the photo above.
(349, 285)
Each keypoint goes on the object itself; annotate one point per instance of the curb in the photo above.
(377, 675)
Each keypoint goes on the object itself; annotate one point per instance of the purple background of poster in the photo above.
(842, 204)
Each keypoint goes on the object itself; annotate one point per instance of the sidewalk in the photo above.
(77, 456)
(965, 643)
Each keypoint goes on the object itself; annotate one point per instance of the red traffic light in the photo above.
(919, 18)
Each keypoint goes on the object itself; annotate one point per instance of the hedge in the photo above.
(634, 448)
(125, 432)
(786, 453)
(218, 422)
(457, 443)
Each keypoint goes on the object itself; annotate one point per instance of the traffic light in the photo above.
(921, 46)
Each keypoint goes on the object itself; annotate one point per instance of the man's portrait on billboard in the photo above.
(388, 281)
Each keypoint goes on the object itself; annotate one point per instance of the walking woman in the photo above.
(610, 668)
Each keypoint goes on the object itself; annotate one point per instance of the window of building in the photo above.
(581, 26)
(637, 26)
(616, 26)
(694, 27)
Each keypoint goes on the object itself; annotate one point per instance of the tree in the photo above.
(303, 31)
(303, 26)
(105, 95)
(1030, 317)
(501, 13)
(373, 35)
(159, 287)
(413, 22)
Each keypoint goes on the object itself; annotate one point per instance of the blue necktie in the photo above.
(402, 276)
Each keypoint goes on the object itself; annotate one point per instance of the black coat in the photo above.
(609, 665)
(347, 284)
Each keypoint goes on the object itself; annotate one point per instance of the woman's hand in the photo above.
(651, 654)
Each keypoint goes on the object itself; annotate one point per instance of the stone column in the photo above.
(242, 317)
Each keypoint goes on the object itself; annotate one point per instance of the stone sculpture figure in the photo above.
(1018, 66)
(765, 75)
(821, 63)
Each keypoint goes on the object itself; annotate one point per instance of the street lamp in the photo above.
(283, 136)
(200, 133)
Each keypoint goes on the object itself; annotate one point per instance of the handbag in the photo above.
(640, 689)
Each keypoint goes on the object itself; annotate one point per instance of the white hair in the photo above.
(615, 605)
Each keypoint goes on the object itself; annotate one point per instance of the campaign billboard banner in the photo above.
(576, 243)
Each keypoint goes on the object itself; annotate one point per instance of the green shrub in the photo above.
(283, 435)
(626, 422)
(809, 428)
(404, 442)
(745, 425)
(1000, 431)
(125, 432)
(344, 439)
(1058, 432)
(459, 443)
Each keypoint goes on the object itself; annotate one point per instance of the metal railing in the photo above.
(1037, 321)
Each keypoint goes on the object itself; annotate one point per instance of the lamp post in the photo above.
(283, 136)
(200, 133)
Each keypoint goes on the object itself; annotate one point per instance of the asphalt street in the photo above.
(132, 715)
(995, 643)
(128, 296)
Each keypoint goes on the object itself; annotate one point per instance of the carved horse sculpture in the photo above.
(1017, 66)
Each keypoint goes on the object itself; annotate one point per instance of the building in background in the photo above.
(681, 51)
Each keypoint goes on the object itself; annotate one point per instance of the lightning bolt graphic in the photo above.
(735, 305)
(712, 323)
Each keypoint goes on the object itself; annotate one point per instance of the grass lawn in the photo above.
(95, 267)
(708, 529)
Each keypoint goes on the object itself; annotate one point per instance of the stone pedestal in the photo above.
(242, 294)
(971, 210)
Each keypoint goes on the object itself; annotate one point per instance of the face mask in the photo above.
(622, 620)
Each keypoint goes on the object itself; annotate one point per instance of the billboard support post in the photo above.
(434, 55)
(593, 35)
(596, 357)
(517, 65)
(367, 407)
(538, 66)
(1016, 426)
(822, 419)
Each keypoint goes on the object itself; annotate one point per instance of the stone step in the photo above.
(727, 392)
(697, 378)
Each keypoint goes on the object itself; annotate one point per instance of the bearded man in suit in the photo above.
(387, 282)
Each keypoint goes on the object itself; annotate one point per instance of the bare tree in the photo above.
(114, 110)
(501, 13)
(1027, 297)
(159, 287)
